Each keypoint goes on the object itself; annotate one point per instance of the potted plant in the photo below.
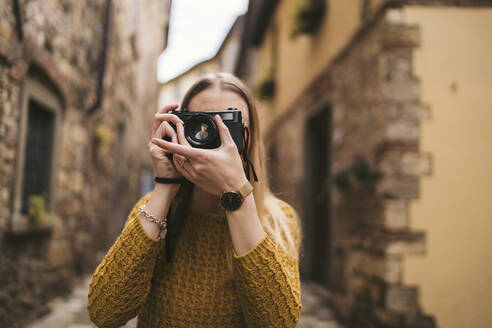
(340, 176)
(308, 17)
(266, 87)
(102, 134)
(359, 169)
(37, 212)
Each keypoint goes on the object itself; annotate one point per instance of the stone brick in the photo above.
(399, 35)
(369, 264)
(394, 16)
(392, 270)
(396, 214)
(59, 253)
(399, 187)
(416, 164)
(5, 196)
(402, 299)
(402, 90)
(395, 65)
(390, 163)
(76, 181)
(413, 245)
(5, 30)
(406, 131)
(405, 163)
(407, 111)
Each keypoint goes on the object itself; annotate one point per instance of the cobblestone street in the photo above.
(71, 312)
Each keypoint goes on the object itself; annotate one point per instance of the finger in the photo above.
(167, 108)
(184, 167)
(164, 129)
(181, 135)
(164, 109)
(225, 134)
(178, 160)
(159, 118)
(155, 151)
(186, 151)
(163, 115)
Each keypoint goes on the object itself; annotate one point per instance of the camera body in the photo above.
(201, 131)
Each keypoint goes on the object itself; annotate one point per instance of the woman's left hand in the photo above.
(213, 170)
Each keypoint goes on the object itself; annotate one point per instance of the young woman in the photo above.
(235, 261)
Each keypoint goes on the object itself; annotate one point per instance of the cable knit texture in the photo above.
(195, 290)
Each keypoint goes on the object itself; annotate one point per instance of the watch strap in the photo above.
(245, 189)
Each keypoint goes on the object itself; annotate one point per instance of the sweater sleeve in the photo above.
(267, 280)
(121, 282)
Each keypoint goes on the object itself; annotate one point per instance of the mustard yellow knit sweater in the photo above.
(195, 290)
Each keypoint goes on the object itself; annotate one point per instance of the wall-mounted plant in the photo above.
(102, 134)
(340, 176)
(359, 169)
(37, 212)
(266, 87)
(307, 17)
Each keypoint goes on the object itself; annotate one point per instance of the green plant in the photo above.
(37, 211)
(308, 17)
(340, 177)
(102, 134)
(360, 167)
(266, 88)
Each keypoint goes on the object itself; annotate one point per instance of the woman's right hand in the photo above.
(163, 166)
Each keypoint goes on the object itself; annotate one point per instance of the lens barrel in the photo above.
(202, 132)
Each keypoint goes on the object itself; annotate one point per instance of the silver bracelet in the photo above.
(151, 218)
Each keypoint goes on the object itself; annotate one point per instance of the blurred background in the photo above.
(376, 116)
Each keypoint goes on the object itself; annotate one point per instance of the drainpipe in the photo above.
(102, 61)
(18, 19)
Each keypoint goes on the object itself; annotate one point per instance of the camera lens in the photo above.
(201, 132)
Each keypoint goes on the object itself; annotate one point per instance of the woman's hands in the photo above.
(213, 170)
(163, 166)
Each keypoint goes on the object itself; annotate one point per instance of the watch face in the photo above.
(231, 201)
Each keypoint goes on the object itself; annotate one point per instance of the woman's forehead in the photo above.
(214, 99)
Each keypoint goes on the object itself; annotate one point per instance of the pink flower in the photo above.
(356, 157)
(336, 168)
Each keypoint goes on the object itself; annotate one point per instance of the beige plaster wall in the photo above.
(300, 60)
(172, 92)
(454, 64)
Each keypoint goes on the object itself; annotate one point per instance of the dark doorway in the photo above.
(317, 205)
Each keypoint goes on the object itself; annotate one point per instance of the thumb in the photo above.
(225, 134)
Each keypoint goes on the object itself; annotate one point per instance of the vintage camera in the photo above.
(201, 131)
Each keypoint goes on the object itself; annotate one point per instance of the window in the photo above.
(37, 149)
(38, 153)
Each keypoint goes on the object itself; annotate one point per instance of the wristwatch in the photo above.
(232, 200)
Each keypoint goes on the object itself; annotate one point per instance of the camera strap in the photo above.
(245, 155)
(175, 225)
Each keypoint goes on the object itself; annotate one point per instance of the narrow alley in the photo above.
(71, 311)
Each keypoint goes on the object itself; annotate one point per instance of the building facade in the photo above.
(78, 90)
(376, 118)
(224, 60)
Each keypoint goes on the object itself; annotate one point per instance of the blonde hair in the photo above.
(273, 219)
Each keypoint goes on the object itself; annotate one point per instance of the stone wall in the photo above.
(102, 154)
(373, 100)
